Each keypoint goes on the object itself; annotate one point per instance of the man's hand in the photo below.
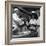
(21, 22)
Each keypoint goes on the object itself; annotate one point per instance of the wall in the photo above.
(2, 23)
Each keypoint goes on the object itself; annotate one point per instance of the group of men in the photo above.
(25, 24)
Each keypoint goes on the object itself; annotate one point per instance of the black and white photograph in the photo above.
(25, 22)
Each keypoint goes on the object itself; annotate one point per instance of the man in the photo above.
(16, 21)
(33, 25)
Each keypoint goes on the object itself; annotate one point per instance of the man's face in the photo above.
(17, 12)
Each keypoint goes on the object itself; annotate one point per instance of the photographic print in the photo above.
(25, 22)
